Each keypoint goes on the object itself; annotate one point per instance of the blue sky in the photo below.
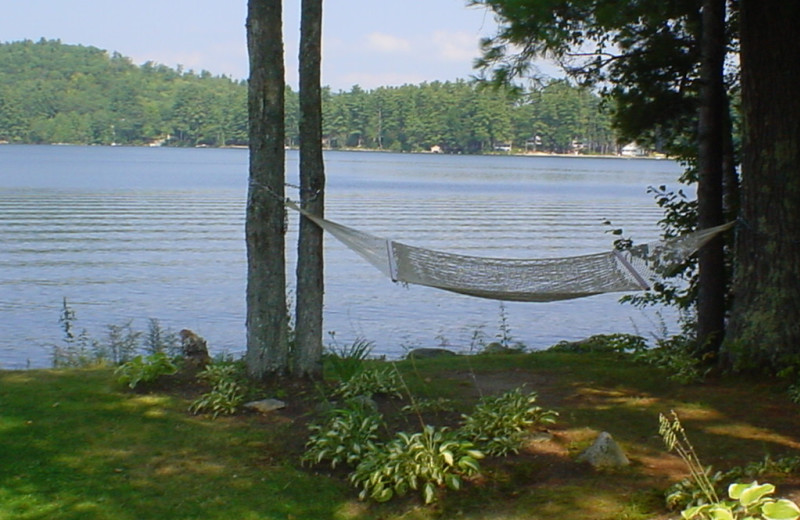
(366, 42)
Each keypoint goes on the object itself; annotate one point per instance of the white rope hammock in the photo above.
(526, 280)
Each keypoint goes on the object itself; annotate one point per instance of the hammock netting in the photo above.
(525, 280)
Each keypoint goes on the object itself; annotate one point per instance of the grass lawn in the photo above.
(75, 444)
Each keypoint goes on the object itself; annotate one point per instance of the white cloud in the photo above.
(383, 42)
(456, 46)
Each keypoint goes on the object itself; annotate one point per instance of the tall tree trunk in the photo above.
(764, 331)
(267, 323)
(310, 286)
(711, 126)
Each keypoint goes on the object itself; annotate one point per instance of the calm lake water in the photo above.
(138, 233)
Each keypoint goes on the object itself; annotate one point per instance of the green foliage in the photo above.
(420, 405)
(349, 433)
(748, 502)
(424, 461)
(157, 339)
(347, 360)
(686, 493)
(371, 381)
(227, 391)
(121, 344)
(52, 92)
(622, 343)
(676, 356)
(143, 369)
(675, 439)
(498, 425)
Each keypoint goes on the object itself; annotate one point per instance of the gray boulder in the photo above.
(604, 453)
(265, 405)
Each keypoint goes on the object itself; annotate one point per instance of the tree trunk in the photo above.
(310, 286)
(764, 332)
(267, 324)
(711, 126)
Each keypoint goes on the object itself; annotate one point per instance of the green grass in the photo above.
(75, 444)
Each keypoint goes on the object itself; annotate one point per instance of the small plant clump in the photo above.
(345, 438)
(371, 381)
(499, 424)
(424, 461)
(348, 360)
(145, 369)
(227, 392)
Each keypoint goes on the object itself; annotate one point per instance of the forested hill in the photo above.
(56, 93)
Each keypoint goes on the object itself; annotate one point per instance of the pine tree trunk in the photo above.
(310, 285)
(764, 333)
(711, 126)
(267, 324)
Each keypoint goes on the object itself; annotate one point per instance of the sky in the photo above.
(370, 43)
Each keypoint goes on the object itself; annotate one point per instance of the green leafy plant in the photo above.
(348, 434)
(76, 350)
(440, 404)
(145, 369)
(425, 461)
(371, 381)
(159, 339)
(498, 425)
(748, 502)
(622, 343)
(227, 392)
(675, 355)
(348, 360)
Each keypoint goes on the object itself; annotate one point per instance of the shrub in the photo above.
(622, 343)
(498, 425)
(676, 356)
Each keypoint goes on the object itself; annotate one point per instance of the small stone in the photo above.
(604, 453)
(265, 405)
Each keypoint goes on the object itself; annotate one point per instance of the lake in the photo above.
(137, 233)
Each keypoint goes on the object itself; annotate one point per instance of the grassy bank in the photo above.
(75, 444)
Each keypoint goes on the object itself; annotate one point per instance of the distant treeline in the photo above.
(56, 93)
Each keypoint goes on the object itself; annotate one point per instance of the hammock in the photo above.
(525, 280)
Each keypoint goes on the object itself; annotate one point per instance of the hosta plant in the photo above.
(370, 382)
(227, 393)
(425, 461)
(145, 369)
(748, 502)
(498, 425)
(349, 433)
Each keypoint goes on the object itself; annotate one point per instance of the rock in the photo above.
(496, 347)
(604, 453)
(427, 353)
(265, 405)
(194, 350)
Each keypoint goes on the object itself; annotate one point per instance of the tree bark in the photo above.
(267, 323)
(310, 283)
(763, 331)
(712, 283)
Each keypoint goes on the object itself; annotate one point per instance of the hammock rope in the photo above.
(525, 280)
